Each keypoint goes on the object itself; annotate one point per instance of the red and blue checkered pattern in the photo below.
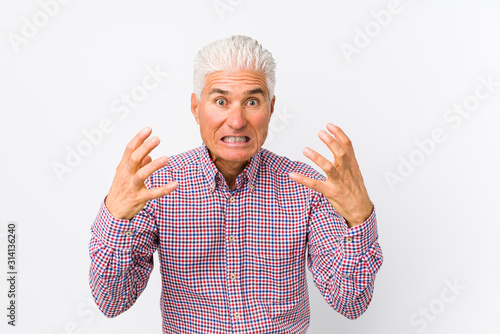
(234, 261)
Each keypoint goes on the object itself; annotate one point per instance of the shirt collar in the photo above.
(248, 175)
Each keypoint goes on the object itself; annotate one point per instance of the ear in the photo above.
(194, 107)
(272, 104)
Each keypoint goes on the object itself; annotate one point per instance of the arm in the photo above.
(344, 254)
(124, 234)
(343, 260)
(121, 253)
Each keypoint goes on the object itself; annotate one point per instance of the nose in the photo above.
(236, 118)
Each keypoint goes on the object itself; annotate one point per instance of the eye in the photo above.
(252, 103)
(220, 102)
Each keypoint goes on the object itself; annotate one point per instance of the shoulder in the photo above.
(282, 166)
(176, 163)
(183, 160)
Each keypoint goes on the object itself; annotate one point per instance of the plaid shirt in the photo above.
(234, 261)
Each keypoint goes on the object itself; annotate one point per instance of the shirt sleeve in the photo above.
(342, 260)
(121, 253)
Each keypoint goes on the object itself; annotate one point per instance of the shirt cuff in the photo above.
(113, 232)
(359, 238)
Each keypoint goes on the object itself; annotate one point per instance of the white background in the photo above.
(437, 224)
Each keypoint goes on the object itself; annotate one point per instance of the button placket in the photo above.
(233, 256)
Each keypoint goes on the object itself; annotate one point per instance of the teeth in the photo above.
(231, 139)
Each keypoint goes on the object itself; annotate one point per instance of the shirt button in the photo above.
(129, 233)
(231, 238)
(233, 276)
(231, 199)
(348, 240)
(252, 187)
(345, 275)
(212, 188)
(236, 315)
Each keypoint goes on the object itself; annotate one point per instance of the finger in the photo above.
(322, 162)
(338, 133)
(143, 173)
(345, 141)
(135, 160)
(136, 142)
(339, 152)
(314, 184)
(145, 161)
(161, 191)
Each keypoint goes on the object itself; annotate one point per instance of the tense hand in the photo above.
(128, 194)
(344, 187)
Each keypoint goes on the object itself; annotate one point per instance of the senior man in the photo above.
(231, 220)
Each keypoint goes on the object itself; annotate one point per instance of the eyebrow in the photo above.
(226, 92)
(255, 91)
(218, 91)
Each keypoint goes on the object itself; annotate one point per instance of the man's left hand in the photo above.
(344, 187)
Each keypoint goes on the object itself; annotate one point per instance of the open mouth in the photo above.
(235, 139)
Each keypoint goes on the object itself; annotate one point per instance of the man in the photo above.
(232, 221)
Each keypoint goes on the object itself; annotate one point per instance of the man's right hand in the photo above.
(128, 194)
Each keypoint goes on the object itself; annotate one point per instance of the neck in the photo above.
(230, 170)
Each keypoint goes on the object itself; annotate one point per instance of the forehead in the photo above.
(236, 82)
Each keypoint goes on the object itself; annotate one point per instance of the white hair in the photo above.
(232, 54)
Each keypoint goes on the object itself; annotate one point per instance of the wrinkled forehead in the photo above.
(236, 82)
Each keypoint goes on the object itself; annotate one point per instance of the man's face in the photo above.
(233, 114)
